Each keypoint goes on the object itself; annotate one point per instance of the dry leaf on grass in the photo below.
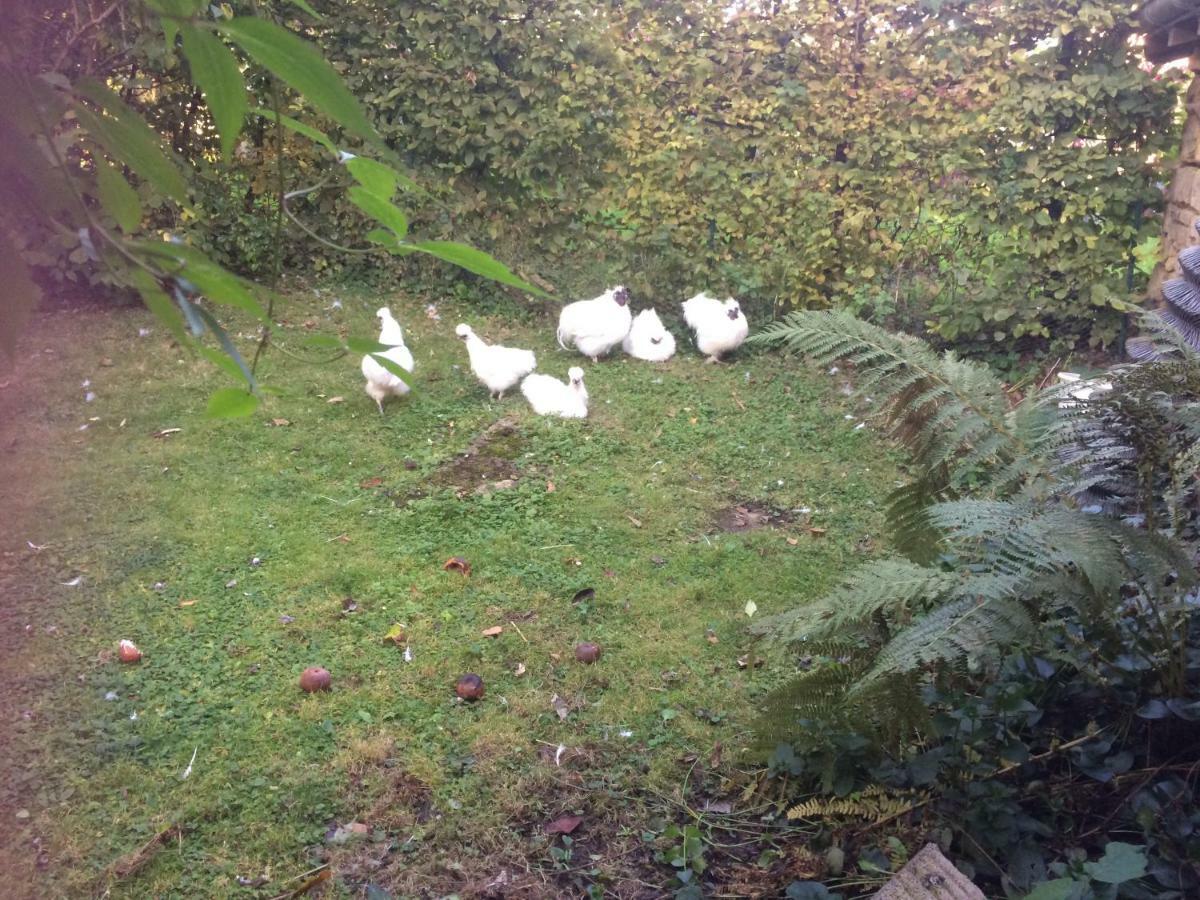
(563, 825)
(457, 564)
(494, 631)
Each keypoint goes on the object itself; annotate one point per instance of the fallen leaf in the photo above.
(637, 523)
(658, 561)
(187, 602)
(341, 539)
(721, 807)
(792, 541)
(349, 606)
(457, 564)
(279, 423)
(710, 636)
(549, 487)
(336, 400)
(744, 662)
(231, 583)
(166, 432)
(519, 670)
(74, 582)
(560, 706)
(36, 547)
(370, 483)
(583, 594)
(396, 635)
(751, 608)
(564, 825)
(693, 420)
(493, 631)
(817, 532)
(106, 361)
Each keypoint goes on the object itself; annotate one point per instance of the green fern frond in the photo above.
(967, 628)
(894, 588)
(872, 804)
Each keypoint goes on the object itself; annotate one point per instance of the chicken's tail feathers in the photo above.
(559, 336)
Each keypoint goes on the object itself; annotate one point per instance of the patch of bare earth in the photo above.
(748, 516)
(485, 466)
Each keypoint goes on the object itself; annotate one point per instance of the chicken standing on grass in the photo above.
(595, 326)
(381, 383)
(720, 325)
(648, 340)
(497, 368)
(550, 397)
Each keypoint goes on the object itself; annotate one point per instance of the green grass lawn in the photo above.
(351, 516)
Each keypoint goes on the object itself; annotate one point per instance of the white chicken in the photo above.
(720, 325)
(595, 326)
(381, 383)
(497, 368)
(647, 339)
(550, 397)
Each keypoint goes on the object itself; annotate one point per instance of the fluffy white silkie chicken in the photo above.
(595, 326)
(550, 397)
(720, 325)
(381, 383)
(497, 368)
(647, 339)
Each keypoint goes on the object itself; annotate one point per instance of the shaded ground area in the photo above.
(235, 554)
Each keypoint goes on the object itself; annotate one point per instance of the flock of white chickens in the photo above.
(593, 327)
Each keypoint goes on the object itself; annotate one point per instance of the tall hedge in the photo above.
(980, 171)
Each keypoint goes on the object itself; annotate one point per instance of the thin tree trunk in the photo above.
(1183, 195)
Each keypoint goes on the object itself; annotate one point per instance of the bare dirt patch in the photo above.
(485, 466)
(748, 515)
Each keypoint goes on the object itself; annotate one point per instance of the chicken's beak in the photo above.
(656, 340)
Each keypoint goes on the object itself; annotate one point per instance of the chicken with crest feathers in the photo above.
(497, 368)
(720, 325)
(595, 326)
(648, 340)
(550, 397)
(381, 383)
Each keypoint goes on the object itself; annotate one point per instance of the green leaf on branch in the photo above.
(210, 279)
(301, 66)
(303, 4)
(378, 178)
(215, 70)
(1058, 889)
(128, 139)
(231, 403)
(366, 345)
(21, 295)
(379, 209)
(1120, 862)
(475, 261)
(160, 304)
(118, 199)
(299, 127)
(393, 367)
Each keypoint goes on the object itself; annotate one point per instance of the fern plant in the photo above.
(998, 531)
